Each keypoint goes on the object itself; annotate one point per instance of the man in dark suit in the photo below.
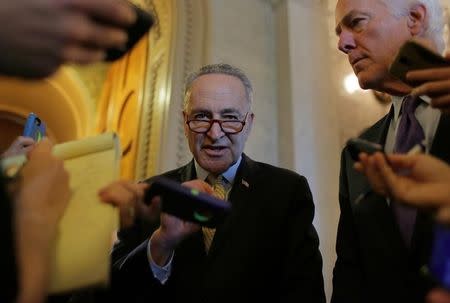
(378, 258)
(267, 246)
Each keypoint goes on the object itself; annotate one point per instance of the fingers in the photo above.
(372, 173)
(80, 28)
(199, 185)
(19, 146)
(433, 89)
(442, 103)
(436, 86)
(430, 74)
(113, 12)
(45, 145)
(438, 296)
(360, 166)
(443, 215)
(89, 28)
(389, 177)
(127, 196)
(79, 55)
(399, 161)
(25, 141)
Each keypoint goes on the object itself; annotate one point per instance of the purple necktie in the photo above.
(409, 134)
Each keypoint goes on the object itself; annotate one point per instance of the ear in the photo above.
(417, 20)
(186, 127)
(250, 123)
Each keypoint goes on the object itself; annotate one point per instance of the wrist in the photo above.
(160, 248)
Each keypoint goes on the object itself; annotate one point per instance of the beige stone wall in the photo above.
(242, 33)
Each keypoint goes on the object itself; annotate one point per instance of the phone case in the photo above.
(187, 203)
(34, 128)
(144, 22)
(440, 256)
(414, 56)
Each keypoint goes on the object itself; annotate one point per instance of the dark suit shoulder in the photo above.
(371, 133)
(179, 174)
(375, 129)
(264, 169)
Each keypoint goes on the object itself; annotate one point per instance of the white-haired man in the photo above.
(383, 246)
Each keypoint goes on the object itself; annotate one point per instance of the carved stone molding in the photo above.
(156, 92)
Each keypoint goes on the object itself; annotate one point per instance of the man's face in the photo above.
(371, 36)
(221, 97)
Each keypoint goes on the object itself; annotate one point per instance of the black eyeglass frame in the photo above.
(212, 121)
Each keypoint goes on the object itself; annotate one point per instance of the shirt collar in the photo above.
(229, 174)
(397, 102)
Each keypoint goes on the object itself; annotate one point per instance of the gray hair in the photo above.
(220, 68)
(435, 27)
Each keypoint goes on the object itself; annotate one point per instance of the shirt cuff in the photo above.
(162, 274)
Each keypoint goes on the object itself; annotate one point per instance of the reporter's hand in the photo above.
(425, 183)
(173, 230)
(128, 197)
(39, 205)
(366, 165)
(42, 34)
(21, 145)
(438, 295)
(436, 85)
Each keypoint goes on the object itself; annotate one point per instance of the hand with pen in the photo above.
(424, 180)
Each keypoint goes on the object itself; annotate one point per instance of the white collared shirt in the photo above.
(427, 116)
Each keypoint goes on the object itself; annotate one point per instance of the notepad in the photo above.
(81, 257)
(82, 251)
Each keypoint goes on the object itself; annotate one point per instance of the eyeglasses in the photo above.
(229, 127)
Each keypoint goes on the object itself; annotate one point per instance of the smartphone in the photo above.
(356, 146)
(34, 128)
(439, 264)
(413, 56)
(142, 25)
(187, 203)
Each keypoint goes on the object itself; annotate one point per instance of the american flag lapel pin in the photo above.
(245, 183)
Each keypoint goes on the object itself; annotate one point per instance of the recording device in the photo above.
(187, 203)
(413, 56)
(142, 25)
(439, 265)
(355, 146)
(34, 128)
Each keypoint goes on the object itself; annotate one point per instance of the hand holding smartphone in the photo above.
(414, 56)
(187, 203)
(144, 21)
(356, 146)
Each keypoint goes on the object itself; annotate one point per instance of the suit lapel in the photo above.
(187, 172)
(372, 211)
(376, 134)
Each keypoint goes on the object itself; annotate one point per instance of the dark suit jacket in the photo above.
(267, 247)
(8, 286)
(373, 264)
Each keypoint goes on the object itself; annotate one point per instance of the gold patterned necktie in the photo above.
(219, 192)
